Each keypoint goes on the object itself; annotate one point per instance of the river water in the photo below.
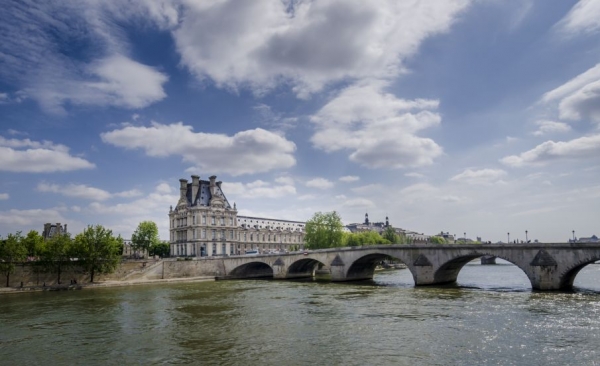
(490, 317)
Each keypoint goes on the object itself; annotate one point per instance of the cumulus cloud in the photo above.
(259, 189)
(26, 219)
(379, 129)
(579, 98)
(4, 196)
(414, 175)
(105, 76)
(320, 183)
(349, 178)
(548, 127)
(584, 17)
(580, 148)
(369, 188)
(85, 191)
(307, 44)
(358, 203)
(482, 176)
(38, 157)
(246, 152)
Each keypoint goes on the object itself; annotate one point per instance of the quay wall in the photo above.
(30, 274)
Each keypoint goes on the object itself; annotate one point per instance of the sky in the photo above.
(473, 117)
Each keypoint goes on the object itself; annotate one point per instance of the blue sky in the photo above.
(463, 116)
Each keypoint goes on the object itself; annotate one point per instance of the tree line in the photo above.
(96, 250)
(325, 230)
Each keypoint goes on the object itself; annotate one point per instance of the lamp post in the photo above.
(465, 236)
(508, 235)
(526, 236)
(573, 235)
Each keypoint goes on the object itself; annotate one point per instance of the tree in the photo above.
(323, 230)
(161, 249)
(12, 251)
(437, 240)
(364, 238)
(391, 236)
(145, 236)
(56, 254)
(34, 243)
(98, 250)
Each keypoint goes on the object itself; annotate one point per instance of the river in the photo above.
(490, 317)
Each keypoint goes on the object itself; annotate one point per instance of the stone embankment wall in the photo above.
(139, 270)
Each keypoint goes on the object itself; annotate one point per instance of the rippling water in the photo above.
(490, 317)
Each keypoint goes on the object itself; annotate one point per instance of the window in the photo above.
(204, 219)
(194, 220)
(245, 238)
(231, 221)
(194, 233)
(214, 234)
(222, 234)
(231, 234)
(203, 234)
(212, 220)
(222, 221)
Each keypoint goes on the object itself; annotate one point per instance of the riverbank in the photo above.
(103, 284)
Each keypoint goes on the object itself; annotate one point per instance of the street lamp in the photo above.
(573, 235)
(526, 236)
(465, 234)
(508, 235)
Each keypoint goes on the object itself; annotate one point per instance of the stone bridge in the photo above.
(549, 266)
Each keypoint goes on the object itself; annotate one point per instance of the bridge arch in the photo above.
(363, 268)
(303, 268)
(568, 276)
(251, 270)
(448, 272)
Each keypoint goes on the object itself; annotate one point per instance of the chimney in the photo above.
(58, 228)
(212, 179)
(195, 187)
(182, 189)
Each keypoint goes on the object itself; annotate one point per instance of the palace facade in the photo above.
(203, 223)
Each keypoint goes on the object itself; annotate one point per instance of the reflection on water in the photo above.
(490, 316)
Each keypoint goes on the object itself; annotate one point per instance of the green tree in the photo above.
(56, 254)
(98, 250)
(323, 230)
(161, 249)
(391, 236)
(145, 236)
(364, 238)
(34, 243)
(12, 250)
(437, 240)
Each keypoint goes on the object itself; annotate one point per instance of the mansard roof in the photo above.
(204, 196)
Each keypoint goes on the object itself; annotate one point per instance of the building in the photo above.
(203, 223)
(591, 239)
(380, 227)
(51, 230)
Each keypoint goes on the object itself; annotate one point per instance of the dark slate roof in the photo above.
(203, 197)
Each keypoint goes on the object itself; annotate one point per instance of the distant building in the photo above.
(129, 252)
(591, 239)
(380, 227)
(51, 230)
(203, 223)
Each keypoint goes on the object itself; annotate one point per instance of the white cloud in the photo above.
(246, 152)
(378, 128)
(547, 127)
(320, 183)
(34, 61)
(307, 197)
(38, 157)
(349, 178)
(482, 176)
(369, 188)
(358, 203)
(584, 17)
(307, 44)
(163, 188)
(414, 175)
(580, 148)
(579, 98)
(4, 196)
(84, 191)
(258, 189)
(26, 219)
(285, 180)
